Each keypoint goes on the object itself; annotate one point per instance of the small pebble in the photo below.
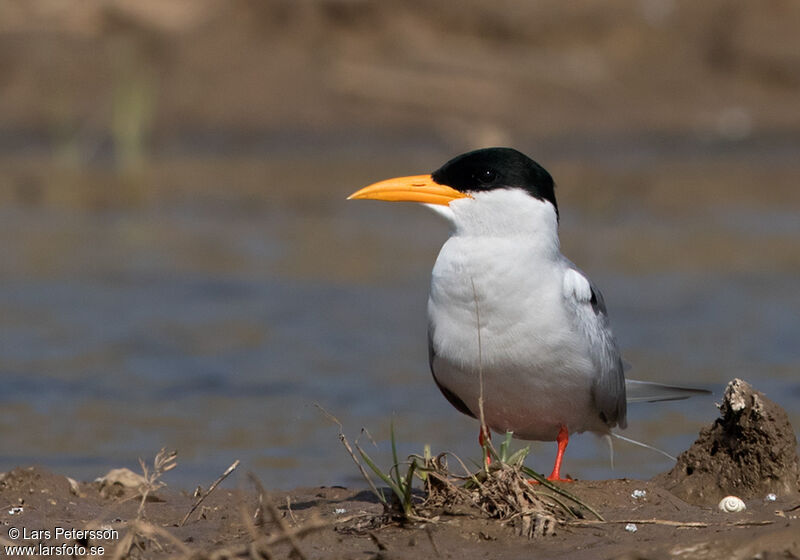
(339, 511)
(639, 494)
(631, 527)
(771, 497)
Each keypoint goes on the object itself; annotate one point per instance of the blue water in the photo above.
(217, 331)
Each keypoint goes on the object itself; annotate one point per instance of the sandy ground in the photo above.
(666, 527)
(751, 448)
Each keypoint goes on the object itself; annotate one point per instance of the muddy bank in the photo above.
(130, 515)
(227, 523)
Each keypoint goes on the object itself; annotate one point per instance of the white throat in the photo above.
(503, 213)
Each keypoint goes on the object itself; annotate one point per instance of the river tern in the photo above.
(512, 323)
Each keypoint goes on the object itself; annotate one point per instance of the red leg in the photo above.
(562, 440)
(483, 437)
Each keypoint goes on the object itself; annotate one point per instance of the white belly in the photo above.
(536, 368)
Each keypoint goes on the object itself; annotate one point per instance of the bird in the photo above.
(518, 336)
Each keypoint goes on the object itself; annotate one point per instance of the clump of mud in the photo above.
(750, 451)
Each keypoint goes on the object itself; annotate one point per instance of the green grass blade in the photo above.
(395, 459)
(504, 448)
(558, 490)
(384, 477)
(518, 457)
(427, 458)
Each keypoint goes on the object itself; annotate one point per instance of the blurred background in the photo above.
(179, 266)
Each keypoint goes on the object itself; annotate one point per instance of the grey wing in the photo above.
(591, 319)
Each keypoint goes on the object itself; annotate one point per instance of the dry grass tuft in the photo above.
(504, 492)
(503, 489)
(163, 462)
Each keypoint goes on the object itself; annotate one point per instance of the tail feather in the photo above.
(647, 391)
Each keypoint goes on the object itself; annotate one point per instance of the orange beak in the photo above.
(416, 188)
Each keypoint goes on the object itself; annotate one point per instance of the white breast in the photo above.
(510, 280)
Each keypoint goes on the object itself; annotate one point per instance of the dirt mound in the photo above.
(750, 451)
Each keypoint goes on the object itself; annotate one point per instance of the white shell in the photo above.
(631, 527)
(731, 504)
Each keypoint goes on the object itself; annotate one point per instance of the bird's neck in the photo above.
(511, 216)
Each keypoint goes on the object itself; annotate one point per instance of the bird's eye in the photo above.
(486, 176)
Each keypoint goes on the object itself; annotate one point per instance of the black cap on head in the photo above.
(497, 168)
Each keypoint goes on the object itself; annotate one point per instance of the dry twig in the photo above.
(277, 517)
(429, 532)
(352, 453)
(261, 547)
(486, 436)
(139, 528)
(211, 488)
(289, 509)
(672, 523)
(667, 522)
